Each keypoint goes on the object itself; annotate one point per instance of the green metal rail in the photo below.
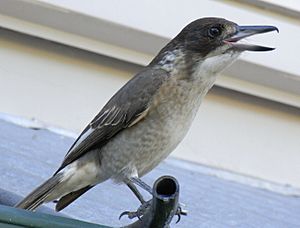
(13, 217)
(162, 208)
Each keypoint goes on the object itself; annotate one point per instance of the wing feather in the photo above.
(126, 108)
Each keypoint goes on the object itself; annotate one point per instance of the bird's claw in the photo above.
(130, 214)
(180, 212)
(143, 208)
(136, 214)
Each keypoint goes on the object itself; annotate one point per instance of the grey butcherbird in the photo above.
(149, 116)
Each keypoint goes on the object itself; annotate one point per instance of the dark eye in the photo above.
(214, 32)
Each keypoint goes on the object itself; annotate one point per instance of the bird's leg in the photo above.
(144, 204)
(136, 192)
(141, 183)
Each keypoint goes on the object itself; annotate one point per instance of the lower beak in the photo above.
(246, 31)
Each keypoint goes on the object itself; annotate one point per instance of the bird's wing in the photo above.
(126, 108)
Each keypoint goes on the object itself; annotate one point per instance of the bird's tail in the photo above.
(41, 194)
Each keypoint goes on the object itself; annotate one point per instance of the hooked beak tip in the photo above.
(256, 29)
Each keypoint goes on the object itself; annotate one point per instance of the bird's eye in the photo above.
(214, 32)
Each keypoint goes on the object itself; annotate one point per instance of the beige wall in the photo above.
(66, 87)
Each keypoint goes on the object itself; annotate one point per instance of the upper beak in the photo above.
(246, 31)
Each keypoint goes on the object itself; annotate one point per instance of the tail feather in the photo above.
(69, 198)
(40, 194)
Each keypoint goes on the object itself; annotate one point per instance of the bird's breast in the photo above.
(175, 106)
(172, 111)
(144, 145)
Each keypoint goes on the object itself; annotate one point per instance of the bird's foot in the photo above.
(138, 213)
(180, 212)
(144, 207)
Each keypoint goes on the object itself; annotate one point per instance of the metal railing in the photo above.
(162, 208)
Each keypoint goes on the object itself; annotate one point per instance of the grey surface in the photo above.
(29, 156)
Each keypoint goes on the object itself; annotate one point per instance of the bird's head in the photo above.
(215, 41)
(216, 36)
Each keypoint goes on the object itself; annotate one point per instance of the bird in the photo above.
(149, 116)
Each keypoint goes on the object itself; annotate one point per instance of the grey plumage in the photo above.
(70, 197)
(149, 116)
(38, 196)
(121, 111)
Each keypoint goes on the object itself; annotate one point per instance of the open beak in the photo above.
(246, 31)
